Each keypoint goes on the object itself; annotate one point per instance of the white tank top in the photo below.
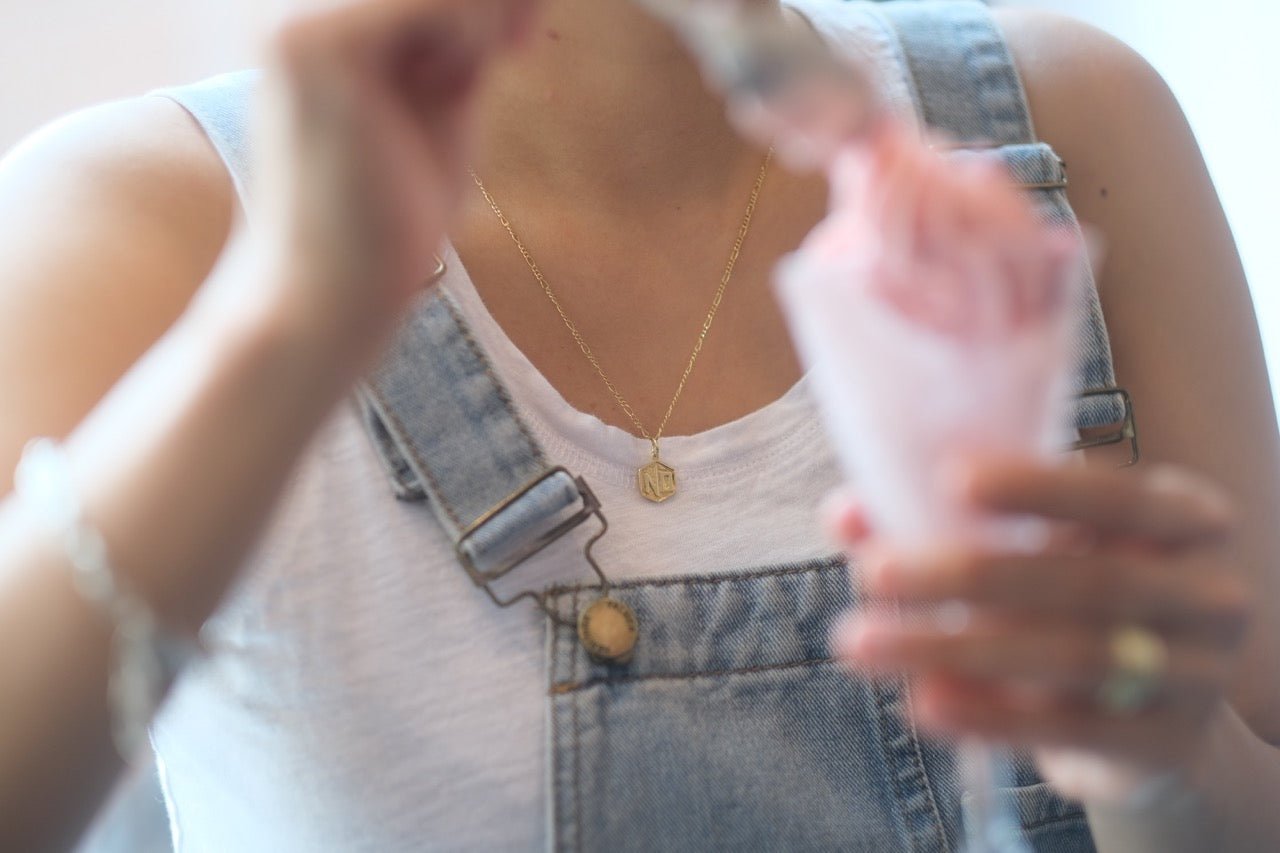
(362, 694)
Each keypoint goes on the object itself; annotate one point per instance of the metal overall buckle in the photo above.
(607, 628)
(1127, 430)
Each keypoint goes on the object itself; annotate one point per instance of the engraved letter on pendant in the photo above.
(657, 481)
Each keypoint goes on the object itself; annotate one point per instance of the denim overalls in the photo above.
(729, 726)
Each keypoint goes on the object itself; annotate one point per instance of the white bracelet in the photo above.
(144, 659)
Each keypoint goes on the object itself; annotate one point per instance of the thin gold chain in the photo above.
(743, 229)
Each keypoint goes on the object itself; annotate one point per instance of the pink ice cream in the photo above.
(935, 312)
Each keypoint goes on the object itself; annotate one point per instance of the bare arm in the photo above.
(109, 221)
(180, 495)
(180, 512)
(108, 225)
(1187, 346)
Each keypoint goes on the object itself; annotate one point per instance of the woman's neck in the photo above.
(603, 103)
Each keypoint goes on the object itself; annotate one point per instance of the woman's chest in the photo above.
(364, 684)
(648, 304)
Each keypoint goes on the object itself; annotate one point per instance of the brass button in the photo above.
(608, 630)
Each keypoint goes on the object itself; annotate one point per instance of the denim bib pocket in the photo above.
(731, 728)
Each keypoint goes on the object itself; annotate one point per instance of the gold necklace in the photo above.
(656, 480)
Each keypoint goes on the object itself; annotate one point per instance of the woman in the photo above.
(361, 694)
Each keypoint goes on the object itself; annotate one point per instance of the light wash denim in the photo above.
(731, 728)
(465, 457)
(966, 85)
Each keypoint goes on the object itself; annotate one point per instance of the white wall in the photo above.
(60, 54)
(1221, 59)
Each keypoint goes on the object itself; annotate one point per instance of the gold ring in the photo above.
(1139, 660)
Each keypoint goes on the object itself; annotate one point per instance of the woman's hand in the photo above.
(1020, 648)
(361, 138)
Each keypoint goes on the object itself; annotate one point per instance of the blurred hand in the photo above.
(361, 138)
(1016, 647)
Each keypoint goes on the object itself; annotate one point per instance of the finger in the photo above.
(896, 193)
(843, 518)
(1066, 659)
(1004, 234)
(1191, 596)
(1159, 735)
(1168, 504)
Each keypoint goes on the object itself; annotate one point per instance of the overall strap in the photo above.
(447, 430)
(443, 424)
(966, 86)
(963, 78)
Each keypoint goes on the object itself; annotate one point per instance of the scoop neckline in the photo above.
(610, 449)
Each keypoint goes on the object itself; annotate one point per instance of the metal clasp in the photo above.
(483, 578)
(1126, 431)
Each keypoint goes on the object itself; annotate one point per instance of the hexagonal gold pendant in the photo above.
(656, 481)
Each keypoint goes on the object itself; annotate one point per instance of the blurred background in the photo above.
(1220, 58)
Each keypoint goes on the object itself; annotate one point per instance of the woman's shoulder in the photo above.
(1102, 107)
(144, 152)
(110, 219)
(1052, 48)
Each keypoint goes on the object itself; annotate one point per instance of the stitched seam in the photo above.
(924, 774)
(555, 647)
(995, 48)
(819, 564)
(556, 769)
(988, 89)
(498, 387)
(906, 67)
(412, 450)
(575, 687)
(897, 711)
(886, 711)
(577, 752)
